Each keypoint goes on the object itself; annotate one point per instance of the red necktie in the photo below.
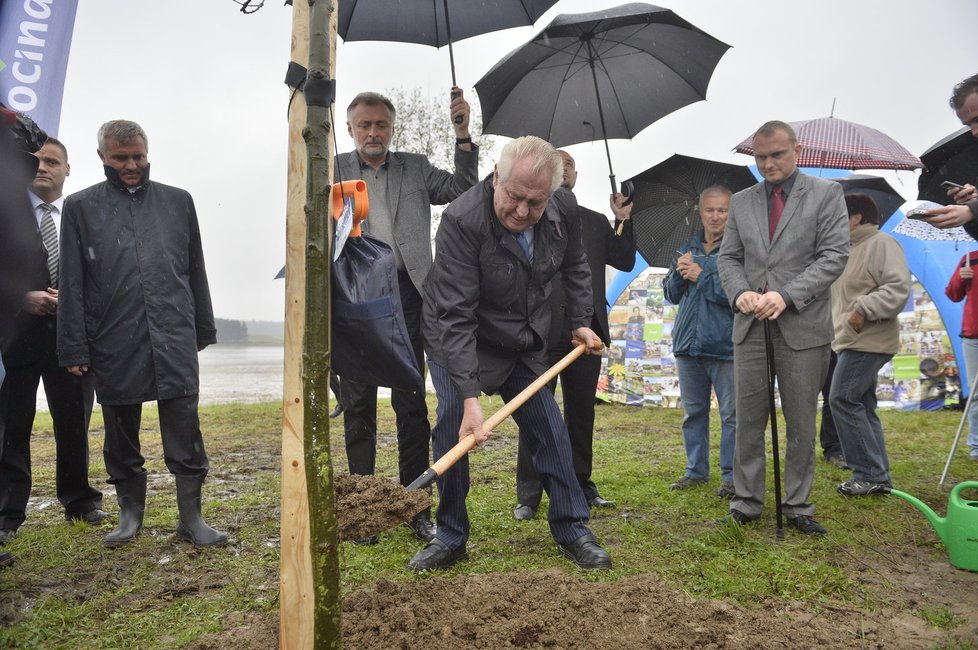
(777, 207)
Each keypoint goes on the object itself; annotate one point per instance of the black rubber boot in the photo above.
(131, 495)
(192, 526)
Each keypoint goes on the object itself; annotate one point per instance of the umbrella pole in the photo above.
(957, 436)
(597, 95)
(771, 375)
(451, 54)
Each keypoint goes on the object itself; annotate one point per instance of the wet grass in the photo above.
(67, 591)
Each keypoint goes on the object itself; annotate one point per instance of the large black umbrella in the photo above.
(604, 74)
(429, 22)
(666, 196)
(877, 187)
(955, 159)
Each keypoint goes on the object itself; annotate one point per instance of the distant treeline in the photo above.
(250, 332)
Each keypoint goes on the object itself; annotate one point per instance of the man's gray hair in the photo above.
(371, 99)
(545, 159)
(122, 131)
(716, 189)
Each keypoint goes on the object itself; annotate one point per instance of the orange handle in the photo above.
(357, 190)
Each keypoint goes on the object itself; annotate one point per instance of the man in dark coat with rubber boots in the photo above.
(135, 310)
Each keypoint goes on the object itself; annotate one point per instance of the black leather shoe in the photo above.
(92, 517)
(366, 541)
(6, 559)
(436, 555)
(807, 525)
(586, 553)
(423, 527)
(737, 517)
(524, 513)
(7, 535)
(597, 501)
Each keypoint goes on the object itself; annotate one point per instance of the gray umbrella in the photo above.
(620, 69)
(888, 200)
(666, 196)
(428, 22)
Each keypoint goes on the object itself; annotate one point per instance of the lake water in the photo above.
(236, 373)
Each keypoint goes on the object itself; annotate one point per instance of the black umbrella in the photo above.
(955, 159)
(621, 68)
(428, 22)
(877, 187)
(665, 212)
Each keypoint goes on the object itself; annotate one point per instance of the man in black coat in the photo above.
(604, 245)
(19, 139)
(485, 322)
(30, 356)
(135, 308)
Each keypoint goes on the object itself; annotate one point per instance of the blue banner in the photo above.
(35, 37)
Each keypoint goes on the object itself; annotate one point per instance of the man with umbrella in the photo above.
(401, 188)
(603, 245)
(486, 318)
(964, 102)
(786, 241)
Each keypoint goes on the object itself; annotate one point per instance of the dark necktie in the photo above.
(523, 240)
(49, 235)
(777, 207)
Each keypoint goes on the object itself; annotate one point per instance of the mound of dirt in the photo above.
(553, 609)
(367, 505)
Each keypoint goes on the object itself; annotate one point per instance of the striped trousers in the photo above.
(543, 432)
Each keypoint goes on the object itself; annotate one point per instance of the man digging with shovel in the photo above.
(485, 323)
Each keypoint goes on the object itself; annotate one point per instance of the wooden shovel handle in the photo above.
(466, 444)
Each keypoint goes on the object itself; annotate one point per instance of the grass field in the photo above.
(67, 591)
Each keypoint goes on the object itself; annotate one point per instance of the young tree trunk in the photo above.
(309, 589)
(316, 349)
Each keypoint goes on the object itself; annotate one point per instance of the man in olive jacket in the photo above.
(485, 323)
(135, 308)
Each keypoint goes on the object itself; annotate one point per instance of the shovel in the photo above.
(466, 444)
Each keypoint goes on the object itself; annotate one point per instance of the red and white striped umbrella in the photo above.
(829, 142)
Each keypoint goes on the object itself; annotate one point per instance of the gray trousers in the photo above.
(801, 374)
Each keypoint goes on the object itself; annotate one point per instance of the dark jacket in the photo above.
(604, 247)
(22, 255)
(134, 302)
(485, 307)
(704, 323)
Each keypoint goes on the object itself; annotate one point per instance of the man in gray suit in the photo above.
(787, 240)
(401, 188)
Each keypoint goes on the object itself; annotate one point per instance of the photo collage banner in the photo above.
(640, 369)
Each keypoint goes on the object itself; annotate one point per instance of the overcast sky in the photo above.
(206, 82)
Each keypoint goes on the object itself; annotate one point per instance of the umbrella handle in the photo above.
(466, 444)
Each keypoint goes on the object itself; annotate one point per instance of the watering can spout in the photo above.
(939, 523)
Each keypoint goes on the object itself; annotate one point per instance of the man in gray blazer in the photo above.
(787, 240)
(401, 188)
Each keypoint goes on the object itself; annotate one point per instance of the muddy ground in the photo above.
(558, 608)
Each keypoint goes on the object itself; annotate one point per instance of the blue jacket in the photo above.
(704, 324)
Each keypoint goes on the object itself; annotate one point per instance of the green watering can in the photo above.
(959, 530)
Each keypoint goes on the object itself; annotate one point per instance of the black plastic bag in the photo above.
(370, 339)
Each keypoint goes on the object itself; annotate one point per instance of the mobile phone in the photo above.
(627, 191)
(948, 185)
(918, 213)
